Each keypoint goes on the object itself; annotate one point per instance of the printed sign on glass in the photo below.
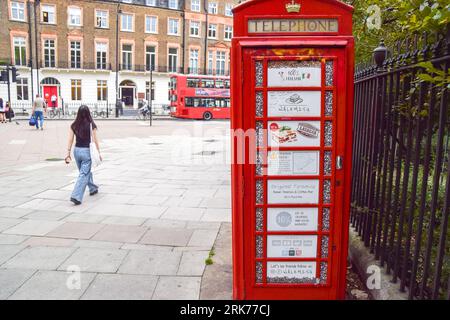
(292, 219)
(294, 103)
(291, 270)
(288, 163)
(294, 74)
(293, 191)
(294, 133)
(291, 246)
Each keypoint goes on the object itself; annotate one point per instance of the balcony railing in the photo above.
(76, 66)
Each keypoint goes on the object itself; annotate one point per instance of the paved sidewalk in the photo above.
(146, 235)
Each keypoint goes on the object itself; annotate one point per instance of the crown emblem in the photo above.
(293, 7)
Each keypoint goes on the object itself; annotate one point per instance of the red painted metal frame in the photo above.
(245, 50)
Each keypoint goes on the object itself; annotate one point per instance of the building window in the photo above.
(195, 29)
(76, 89)
(173, 27)
(146, 90)
(127, 56)
(75, 54)
(20, 51)
(74, 17)
(173, 4)
(193, 61)
(49, 53)
(212, 31)
(228, 32)
(195, 5)
(229, 10)
(102, 90)
(101, 50)
(212, 7)
(22, 89)
(220, 63)
(150, 58)
(48, 14)
(101, 18)
(210, 62)
(173, 59)
(18, 10)
(150, 2)
(127, 22)
(151, 24)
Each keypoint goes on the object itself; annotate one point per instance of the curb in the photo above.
(362, 259)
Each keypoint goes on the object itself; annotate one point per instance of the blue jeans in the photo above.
(83, 160)
(39, 115)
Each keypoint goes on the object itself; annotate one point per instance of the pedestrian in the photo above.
(85, 131)
(9, 112)
(39, 107)
(2, 112)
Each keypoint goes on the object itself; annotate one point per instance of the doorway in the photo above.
(127, 92)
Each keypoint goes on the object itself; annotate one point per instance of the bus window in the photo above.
(220, 84)
(193, 83)
(207, 83)
(227, 84)
(173, 83)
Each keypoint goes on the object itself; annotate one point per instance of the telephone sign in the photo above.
(292, 104)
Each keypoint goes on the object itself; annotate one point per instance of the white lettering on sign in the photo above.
(294, 74)
(294, 133)
(291, 270)
(292, 219)
(291, 246)
(294, 103)
(293, 25)
(288, 163)
(293, 191)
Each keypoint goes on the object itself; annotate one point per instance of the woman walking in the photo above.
(84, 129)
(2, 111)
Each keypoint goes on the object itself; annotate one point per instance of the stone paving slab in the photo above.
(11, 280)
(39, 258)
(11, 239)
(52, 285)
(76, 230)
(167, 237)
(48, 242)
(6, 223)
(8, 212)
(151, 263)
(34, 227)
(179, 213)
(121, 287)
(8, 251)
(192, 263)
(120, 233)
(95, 260)
(177, 288)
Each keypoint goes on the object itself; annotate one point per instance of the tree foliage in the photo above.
(393, 20)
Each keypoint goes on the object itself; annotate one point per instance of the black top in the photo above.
(83, 142)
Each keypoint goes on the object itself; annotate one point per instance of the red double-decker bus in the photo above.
(199, 97)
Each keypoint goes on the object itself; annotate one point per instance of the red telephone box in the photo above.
(292, 115)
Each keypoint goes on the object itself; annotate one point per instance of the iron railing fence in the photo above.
(401, 175)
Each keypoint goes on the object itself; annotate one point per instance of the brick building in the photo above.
(68, 48)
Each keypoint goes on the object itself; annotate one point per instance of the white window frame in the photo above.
(228, 31)
(150, 3)
(198, 27)
(212, 7)
(21, 84)
(102, 88)
(78, 54)
(210, 62)
(19, 8)
(151, 55)
(229, 9)
(122, 17)
(77, 85)
(221, 62)
(194, 55)
(70, 21)
(101, 45)
(21, 43)
(210, 28)
(169, 56)
(103, 18)
(50, 13)
(169, 27)
(50, 49)
(195, 5)
(129, 56)
(147, 30)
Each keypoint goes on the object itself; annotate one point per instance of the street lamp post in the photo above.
(150, 95)
(119, 12)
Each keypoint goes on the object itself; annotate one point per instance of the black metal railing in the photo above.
(401, 176)
(75, 65)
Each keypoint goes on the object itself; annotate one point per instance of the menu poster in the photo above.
(294, 133)
(294, 74)
(294, 103)
(293, 191)
(291, 270)
(291, 246)
(292, 219)
(287, 163)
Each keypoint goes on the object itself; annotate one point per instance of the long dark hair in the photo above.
(82, 124)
